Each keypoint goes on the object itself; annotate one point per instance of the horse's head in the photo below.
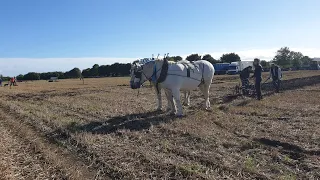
(140, 71)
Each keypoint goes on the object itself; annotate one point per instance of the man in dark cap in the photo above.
(258, 77)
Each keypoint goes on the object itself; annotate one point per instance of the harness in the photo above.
(164, 73)
(188, 73)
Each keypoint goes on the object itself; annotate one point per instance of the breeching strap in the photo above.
(202, 79)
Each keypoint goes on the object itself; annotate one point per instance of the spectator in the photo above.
(244, 76)
(276, 75)
(258, 77)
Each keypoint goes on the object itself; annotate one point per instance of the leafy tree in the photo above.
(283, 57)
(209, 58)
(74, 73)
(104, 70)
(86, 72)
(193, 57)
(94, 71)
(229, 58)
(115, 69)
(32, 76)
(48, 75)
(296, 59)
(306, 61)
(264, 64)
(176, 58)
(20, 77)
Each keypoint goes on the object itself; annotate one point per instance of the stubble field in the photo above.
(102, 129)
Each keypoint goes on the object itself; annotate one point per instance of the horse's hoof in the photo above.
(209, 109)
(159, 110)
(179, 115)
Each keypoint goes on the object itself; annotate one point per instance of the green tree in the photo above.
(20, 77)
(306, 61)
(31, 76)
(193, 57)
(94, 71)
(230, 57)
(104, 70)
(74, 73)
(175, 58)
(86, 72)
(209, 58)
(296, 59)
(283, 57)
(264, 64)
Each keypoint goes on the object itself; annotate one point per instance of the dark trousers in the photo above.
(258, 88)
(245, 85)
(276, 84)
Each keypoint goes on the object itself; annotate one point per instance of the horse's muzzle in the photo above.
(135, 85)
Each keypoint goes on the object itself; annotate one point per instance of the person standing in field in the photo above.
(258, 77)
(244, 76)
(12, 81)
(276, 75)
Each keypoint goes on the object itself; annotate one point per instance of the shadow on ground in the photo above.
(141, 121)
(132, 122)
(294, 151)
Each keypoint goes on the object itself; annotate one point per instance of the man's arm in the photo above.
(279, 73)
(270, 73)
(254, 73)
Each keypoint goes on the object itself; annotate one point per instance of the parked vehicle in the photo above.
(221, 68)
(237, 67)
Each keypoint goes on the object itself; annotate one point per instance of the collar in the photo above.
(154, 74)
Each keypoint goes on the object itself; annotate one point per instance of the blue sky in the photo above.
(62, 34)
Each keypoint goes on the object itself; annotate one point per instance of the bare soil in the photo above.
(102, 129)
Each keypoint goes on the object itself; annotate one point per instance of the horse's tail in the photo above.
(208, 72)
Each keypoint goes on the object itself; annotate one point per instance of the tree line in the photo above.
(290, 59)
(114, 70)
(284, 57)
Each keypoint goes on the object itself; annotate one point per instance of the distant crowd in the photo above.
(12, 82)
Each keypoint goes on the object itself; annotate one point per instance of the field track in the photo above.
(104, 130)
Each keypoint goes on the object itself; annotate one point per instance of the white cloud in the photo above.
(15, 66)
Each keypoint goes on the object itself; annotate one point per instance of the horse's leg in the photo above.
(186, 101)
(188, 97)
(185, 96)
(176, 96)
(205, 90)
(159, 99)
(170, 105)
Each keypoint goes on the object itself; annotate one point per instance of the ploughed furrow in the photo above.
(26, 154)
(19, 160)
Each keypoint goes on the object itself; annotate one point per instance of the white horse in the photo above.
(135, 72)
(178, 78)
